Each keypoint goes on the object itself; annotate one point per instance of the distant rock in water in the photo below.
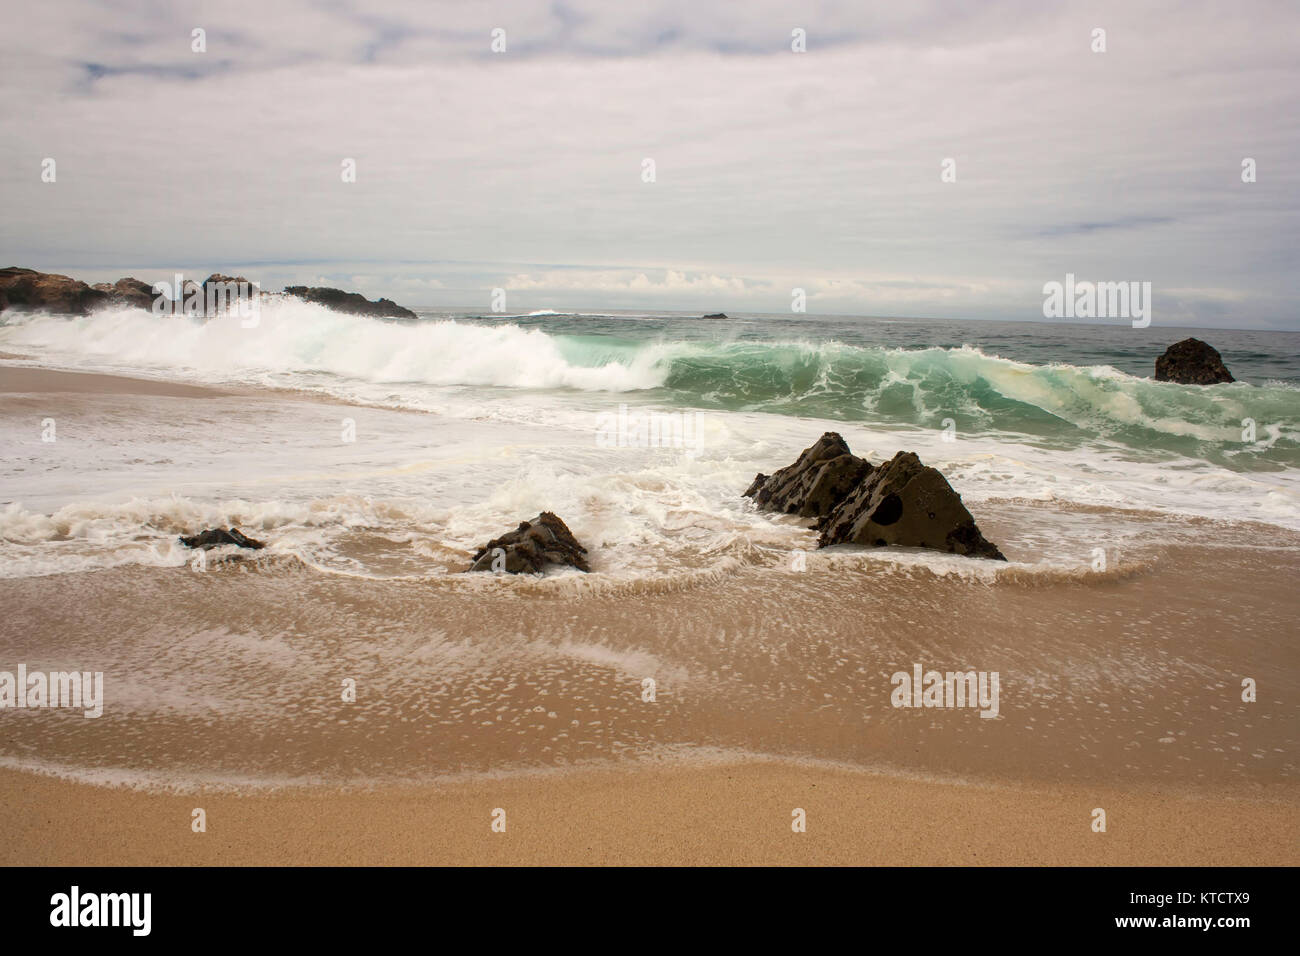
(811, 488)
(714, 315)
(215, 537)
(31, 291)
(128, 291)
(901, 502)
(1192, 362)
(531, 547)
(352, 302)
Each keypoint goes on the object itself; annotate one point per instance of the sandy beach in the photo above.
(728, 815)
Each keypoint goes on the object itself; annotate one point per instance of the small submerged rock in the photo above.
(215, 537)
(1192, 362)
(901, 501)
(531, 547)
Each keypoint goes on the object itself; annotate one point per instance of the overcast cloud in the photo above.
(774, 169)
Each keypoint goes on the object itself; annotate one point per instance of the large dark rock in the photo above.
(821, 478)
(907, 503)
(128, 291)
(352, 302)
(899, 502)
(215, 537)
(1192, 362)
(221, 293)
(30, 291)
(532, 546)
(714, 315)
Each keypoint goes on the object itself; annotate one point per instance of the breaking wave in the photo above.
(963, 389)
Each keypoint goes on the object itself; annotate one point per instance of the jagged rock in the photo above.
(231, 282)
(821, 478)
(1192, 362)
(215, 537)
(128, 291)
(907, 503)
(533, 545)
(32, 291)
(714, 315)
(352, 302)
(222, 293)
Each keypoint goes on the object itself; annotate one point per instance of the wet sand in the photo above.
(20, 379)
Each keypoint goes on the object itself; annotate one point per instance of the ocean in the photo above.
(522, 411)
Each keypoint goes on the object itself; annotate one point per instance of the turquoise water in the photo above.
(1071, 387)
(1060, 385)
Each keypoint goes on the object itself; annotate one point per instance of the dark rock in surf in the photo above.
(714, 315)
(215, 537)
(1192, 362)
(906, 502)
(531, 547)
(815, 484)
(233, 284)
(27, 290)
(128, 291)
(351, 302)
(900, 502)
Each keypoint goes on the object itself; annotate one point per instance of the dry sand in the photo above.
(737, 814)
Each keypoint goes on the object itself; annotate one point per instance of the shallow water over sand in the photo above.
(236, 674)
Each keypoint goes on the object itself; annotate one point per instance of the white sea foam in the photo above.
(127, 476)
(294, 336)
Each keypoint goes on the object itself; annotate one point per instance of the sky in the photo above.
(774, 170)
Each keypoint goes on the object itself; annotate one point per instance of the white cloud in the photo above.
(818, 170)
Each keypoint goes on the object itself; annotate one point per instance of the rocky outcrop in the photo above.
(531, 547)
(908, 503)
(1192, 362)
(230, 281)
(215, 537)
(352, 302)
(714, 315)
(811, 488)
(27, 290)
(128, 291)
(901, 502)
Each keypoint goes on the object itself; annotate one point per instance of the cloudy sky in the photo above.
(773, 169)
